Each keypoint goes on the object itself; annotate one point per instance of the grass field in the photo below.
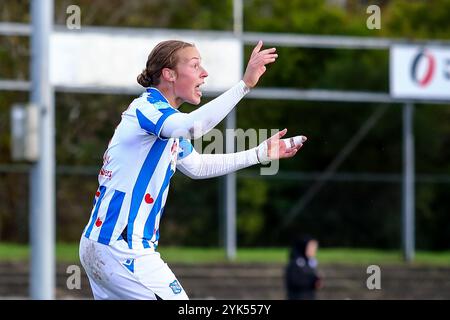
(68, 252)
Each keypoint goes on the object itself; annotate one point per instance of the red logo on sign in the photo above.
(430, 67)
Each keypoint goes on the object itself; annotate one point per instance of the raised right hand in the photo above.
(257, 64)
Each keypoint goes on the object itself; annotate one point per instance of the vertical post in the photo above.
(230, 179)
(230, 192)
(238, 18)
(42, 222)
(408, 189)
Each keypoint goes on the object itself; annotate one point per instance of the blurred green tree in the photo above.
(343, 213)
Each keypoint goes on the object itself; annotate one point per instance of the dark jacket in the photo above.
(301, 273)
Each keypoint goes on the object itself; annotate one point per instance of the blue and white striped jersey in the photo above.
(134, 179)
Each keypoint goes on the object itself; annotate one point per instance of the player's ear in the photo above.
(169, 74)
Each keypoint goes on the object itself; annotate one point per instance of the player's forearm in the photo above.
(202, 166)
(195, 124)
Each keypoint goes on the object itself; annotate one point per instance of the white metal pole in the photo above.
(230, 193)
(238, 18)
(408, 206)
(42, 220)
(230, 125)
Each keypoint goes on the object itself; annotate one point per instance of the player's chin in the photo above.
(195, 99)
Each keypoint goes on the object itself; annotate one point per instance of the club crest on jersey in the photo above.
(175, 286)
(129, 264)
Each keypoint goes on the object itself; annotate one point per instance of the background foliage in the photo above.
(343, 213)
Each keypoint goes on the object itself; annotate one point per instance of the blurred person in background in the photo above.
(301, 276)
(118, 245)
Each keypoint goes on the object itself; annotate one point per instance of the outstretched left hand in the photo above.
(277, 148)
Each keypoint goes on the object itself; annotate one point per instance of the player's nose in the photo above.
(203, 73)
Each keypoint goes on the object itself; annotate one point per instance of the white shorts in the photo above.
(117, 272)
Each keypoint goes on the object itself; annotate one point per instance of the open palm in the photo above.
(257, 64)
(277, 149)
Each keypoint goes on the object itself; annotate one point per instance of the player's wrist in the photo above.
(245, 87)
(262, 153)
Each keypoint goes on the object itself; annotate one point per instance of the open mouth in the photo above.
(198, 90)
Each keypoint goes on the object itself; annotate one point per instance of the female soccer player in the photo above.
(118, 245)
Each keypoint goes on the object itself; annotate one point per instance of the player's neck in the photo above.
(168, 93)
